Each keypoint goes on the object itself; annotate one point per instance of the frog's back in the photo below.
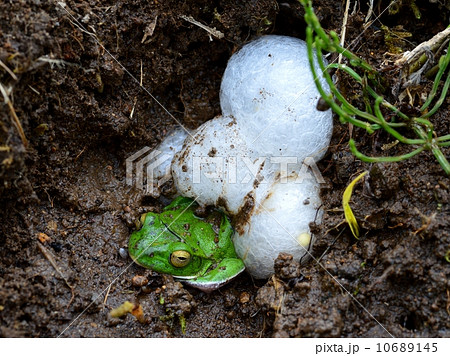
(213, 238)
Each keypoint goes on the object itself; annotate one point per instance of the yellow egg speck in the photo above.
(304, 239)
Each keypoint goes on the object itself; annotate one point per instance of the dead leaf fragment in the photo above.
(52, 225)
(149, 29)
(43, 237)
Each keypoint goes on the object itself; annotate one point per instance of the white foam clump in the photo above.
(268, 99)
(280, 224)
(164, 154)
(211, 164)
(269, 88)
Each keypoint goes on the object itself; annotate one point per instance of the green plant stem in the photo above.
(369, 159)
(441, 98)
(443, 138)
(443, 63)
(343, 114)
(372, 92)
(378, 119)
(373, 119)
(441, 158)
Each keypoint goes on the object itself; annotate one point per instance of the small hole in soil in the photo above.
(25, 317)
(148, 200)
(56, 246)
(39, 280)
(411, 321)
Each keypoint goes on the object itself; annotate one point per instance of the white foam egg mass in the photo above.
(210, 167)
(279, 224)
(269, 88)
(163, 154)
(268, 99)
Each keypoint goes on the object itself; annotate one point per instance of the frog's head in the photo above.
(155, 247)
(187, 248)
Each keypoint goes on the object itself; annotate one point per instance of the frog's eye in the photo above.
(140, 222)
(180, 258)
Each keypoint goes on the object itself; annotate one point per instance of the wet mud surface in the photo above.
(66, 211)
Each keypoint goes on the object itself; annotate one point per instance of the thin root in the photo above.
(48, 255)
(9, 71)
(15, 119)
(427, 220)
(107, 295)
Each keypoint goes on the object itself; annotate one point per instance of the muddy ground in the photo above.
(66, 211)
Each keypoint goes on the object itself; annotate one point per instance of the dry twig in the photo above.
(48, 255)
(432, 44)
(15, 119)
(211, 31)
(9, 71)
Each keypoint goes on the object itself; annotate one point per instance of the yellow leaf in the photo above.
(123, 309)
(348, 213)
(128, 307)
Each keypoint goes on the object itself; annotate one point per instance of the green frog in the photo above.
(197, 251)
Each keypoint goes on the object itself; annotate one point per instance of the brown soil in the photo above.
(83, 115)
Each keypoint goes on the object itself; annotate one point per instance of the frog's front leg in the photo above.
(223, 273)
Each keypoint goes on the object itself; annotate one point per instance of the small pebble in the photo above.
(127, 209)
(244, 297)
(139, 281)
(231, 314)
(123, 252)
